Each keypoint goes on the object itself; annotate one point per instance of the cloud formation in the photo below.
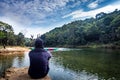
(80, 14)
(93, 5)
(21, 14)
(33, 10)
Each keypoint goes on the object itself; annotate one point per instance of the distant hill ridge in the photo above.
(103, 29)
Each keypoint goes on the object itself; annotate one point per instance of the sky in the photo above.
(32, 17)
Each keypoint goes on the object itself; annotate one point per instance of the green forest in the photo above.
(8, 38)
(103, 29)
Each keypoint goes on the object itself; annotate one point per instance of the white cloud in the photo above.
(17, 27)
(35, 9)
(93, 5)
(73, 13)
(80, 14)
(28, 31)
(74, 4)
(35, 31)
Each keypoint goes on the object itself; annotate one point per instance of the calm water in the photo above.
(74, 64)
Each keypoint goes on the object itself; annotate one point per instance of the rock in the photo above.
(2, 78)
(20, 74)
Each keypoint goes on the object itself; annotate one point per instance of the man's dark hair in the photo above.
(39, 43)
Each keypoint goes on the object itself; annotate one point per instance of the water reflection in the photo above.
(21, 60)
(60, 72)
(100, 62)
(74, 64)
(5, 62)
(18, 60)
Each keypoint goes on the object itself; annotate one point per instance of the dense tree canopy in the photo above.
(104, 29)
(6, 31)
(8, 38)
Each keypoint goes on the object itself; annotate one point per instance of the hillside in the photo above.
(104, 29)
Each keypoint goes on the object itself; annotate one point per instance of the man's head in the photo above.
(38, 43)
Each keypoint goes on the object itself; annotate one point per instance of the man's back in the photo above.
(39, 59)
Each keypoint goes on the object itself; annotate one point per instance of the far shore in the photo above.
(13, 50)
(19, 50)
(105, 46)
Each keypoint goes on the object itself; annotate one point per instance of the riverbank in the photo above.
(13, 50)
(106, 46)
(19, 74)
(115, 45)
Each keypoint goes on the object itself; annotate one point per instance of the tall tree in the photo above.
(20, 39)
(5, 31)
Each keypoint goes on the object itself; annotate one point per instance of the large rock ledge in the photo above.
(19, 74)
(13, 50)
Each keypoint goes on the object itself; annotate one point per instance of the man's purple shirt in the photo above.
(39, 61)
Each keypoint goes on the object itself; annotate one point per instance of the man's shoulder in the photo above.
(38, 50)
(48, 53)
(32, 51)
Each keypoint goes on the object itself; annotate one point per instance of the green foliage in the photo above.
(20, 39)
(5, 32)
(7, 36)
(105, 28)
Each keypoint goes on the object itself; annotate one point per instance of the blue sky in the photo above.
(34, 17)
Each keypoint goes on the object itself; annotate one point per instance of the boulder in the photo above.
(20, 74)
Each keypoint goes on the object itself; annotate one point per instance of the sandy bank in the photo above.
(13, 50)
(19, 74)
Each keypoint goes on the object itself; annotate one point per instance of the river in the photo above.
(74, 64)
